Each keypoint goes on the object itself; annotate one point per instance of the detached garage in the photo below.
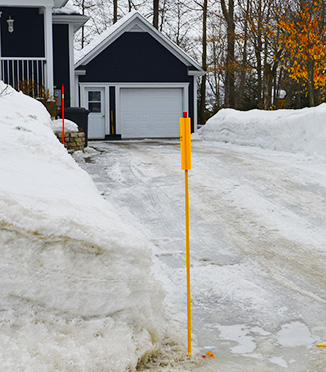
(135, 82)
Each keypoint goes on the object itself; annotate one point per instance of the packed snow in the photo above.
(69, 126)
(257, 234)
(76, 289)
(283, 130)
(84, 279)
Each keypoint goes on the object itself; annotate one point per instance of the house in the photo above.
(135, 82)
(36, 44)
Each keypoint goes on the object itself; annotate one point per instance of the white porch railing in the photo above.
(14, 71)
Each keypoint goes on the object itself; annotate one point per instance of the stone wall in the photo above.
(74, 141)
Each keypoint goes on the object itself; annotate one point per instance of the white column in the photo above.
(71, 67)
(195, 103)
(48, 46)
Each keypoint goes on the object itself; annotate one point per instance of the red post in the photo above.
(63, 114)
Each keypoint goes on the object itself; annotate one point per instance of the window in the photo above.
(94, 101)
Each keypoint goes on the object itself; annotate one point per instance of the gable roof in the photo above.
(133, 21)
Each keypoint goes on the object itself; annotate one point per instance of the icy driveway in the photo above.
(258, 242)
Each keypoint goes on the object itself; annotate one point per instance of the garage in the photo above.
(150, 112)
(136, 82)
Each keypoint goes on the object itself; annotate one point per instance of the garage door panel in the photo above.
(150, 112)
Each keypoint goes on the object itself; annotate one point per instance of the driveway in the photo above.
(258, 244)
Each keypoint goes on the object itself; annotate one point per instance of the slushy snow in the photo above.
(76, 290)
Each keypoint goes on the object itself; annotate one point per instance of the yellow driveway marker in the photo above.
(185, 146)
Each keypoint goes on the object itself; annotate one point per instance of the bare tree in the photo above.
(156, 6)
(228, 14)
(202, 102)
(115, 11)
(85, 6)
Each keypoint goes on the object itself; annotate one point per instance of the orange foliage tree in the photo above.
(302, 38)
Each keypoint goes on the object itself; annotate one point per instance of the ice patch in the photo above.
(243, 335)
(279, 361)
(294, 334)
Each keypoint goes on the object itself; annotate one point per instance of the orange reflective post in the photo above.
(185, 142)
(185, 146)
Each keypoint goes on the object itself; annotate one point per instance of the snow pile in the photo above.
(70, 126)
(282, 130)
(76, 291)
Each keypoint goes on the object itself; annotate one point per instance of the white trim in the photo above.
(196, 73)
(71, 65)
(48, 47)
(107, 110)
(125, 24)
(118, 86)
(80, 72)
(77, 20)
(59, 3)
(77, 90)
(195, 117)
(136, 28)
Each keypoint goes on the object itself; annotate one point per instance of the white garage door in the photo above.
(150, 112)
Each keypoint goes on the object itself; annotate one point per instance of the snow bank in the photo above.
(283, 130)
(76, 291)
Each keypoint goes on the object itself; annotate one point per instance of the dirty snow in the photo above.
(258, 234)
(76, 289)
(78, 292)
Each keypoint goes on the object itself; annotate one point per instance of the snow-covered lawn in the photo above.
(81, 277)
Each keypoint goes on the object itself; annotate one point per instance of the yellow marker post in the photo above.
(185, 146)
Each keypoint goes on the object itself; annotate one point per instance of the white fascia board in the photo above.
(80, 72)
(60, 3)
(135, 85)
(196, 73)
(26, 3)
(76, 20)
(141, 22)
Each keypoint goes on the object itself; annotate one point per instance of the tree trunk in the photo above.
(311, 85)
(230, 63)
(83, 28)
(155, 13)
(244, 58)
(115, 11)
(202, 103)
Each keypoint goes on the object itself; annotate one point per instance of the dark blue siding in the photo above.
(61, 59)
(27, 40)
(136, 57)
